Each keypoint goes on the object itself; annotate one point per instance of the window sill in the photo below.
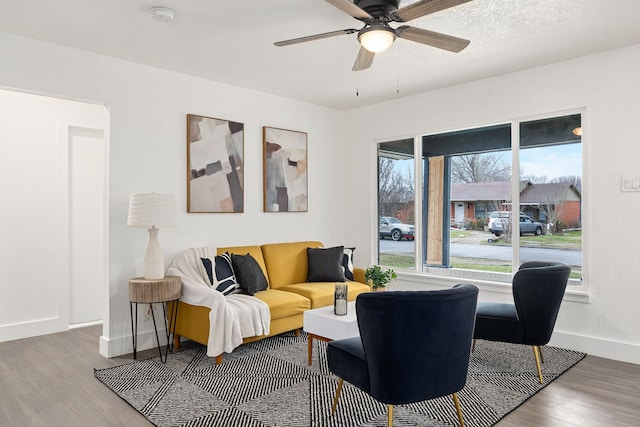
(408, 280)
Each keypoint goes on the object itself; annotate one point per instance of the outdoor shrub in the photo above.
(474, 224)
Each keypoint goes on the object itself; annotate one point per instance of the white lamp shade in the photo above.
(152, 210)
(377, 39)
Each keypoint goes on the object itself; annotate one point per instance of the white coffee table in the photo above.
(322, 324)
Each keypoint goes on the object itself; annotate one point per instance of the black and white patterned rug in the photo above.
(268, 383)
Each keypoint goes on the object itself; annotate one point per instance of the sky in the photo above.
(552, 162)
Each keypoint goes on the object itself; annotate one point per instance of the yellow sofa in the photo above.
(288, 296)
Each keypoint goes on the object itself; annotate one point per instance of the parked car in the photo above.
(392, 227)
(498, 220)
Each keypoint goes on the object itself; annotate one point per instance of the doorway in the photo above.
(459, 213)
(87, 220)
(54, 170)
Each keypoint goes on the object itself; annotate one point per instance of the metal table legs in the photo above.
(172, 321)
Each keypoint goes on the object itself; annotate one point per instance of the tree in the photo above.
(551, 205)
(488, 167)
(395, 186)
(535, 179)
(552, 202)
(572, 179)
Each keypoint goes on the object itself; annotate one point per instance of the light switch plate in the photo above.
(630, 183)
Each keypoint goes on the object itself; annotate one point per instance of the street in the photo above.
(463, 250)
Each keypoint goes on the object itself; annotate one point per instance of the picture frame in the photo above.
(215, 165)
(285, 165)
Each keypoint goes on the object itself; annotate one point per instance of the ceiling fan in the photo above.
(377, 35)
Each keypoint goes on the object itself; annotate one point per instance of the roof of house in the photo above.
(475, 191)
(548, 193)
(479, 191)
(530, 193)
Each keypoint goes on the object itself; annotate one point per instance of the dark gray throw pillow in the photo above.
(249, 274)
(325, 264)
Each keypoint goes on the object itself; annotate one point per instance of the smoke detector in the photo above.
(162, 14)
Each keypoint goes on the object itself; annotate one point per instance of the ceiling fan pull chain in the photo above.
(397, 69)
(357, 86)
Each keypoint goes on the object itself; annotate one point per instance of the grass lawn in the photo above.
(397, 261)
(498, 268)
(567, 240)
(454, 234)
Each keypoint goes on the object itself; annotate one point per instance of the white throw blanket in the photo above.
(232, 317)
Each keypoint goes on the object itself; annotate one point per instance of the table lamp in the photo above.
(153, 211)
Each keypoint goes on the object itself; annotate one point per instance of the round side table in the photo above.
(152, 291)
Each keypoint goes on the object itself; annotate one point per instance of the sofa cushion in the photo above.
(283, 304)
(325, 264)
(254, 251)
(249, 274)
(287, 262)
(321, 293)
(347, 263)
(220, 273)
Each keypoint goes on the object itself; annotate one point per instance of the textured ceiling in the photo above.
(232, 41)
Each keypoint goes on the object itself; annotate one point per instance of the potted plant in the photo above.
(379, 278)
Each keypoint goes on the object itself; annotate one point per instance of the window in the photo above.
(396, 210)
(471, 182)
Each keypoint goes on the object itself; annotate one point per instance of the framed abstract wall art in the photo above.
(215, 165)
(285, 170)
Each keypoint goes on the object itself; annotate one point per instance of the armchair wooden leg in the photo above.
(473, 347)
(335, 399)
(456, 402)
(536, 354)
(219, 359)
(390, 415)
(296, 332)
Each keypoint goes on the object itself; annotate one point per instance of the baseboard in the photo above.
(85, 324)
(113, 347)
(609, 349)
(32, 328)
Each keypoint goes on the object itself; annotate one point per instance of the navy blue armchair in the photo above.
(413, 346)
(538, 288)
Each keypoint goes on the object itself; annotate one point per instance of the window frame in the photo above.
(579, 290)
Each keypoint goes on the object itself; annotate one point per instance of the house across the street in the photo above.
(546, 202)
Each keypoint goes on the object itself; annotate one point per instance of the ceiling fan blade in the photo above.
(315, 37)
(431, 38)
(350, 9)
(364, 59)
(424, 7)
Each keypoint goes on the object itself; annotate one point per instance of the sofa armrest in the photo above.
(358, 275)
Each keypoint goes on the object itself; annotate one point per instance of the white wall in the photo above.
(148, 108)
(607, 85)
(148, 153)
(36, 192)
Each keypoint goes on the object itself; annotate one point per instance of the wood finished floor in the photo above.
(48, 381)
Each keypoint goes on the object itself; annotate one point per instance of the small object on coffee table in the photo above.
(340, 299)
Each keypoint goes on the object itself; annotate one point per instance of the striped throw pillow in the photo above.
(221, 274)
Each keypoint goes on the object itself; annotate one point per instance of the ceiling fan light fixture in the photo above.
(376, 38)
